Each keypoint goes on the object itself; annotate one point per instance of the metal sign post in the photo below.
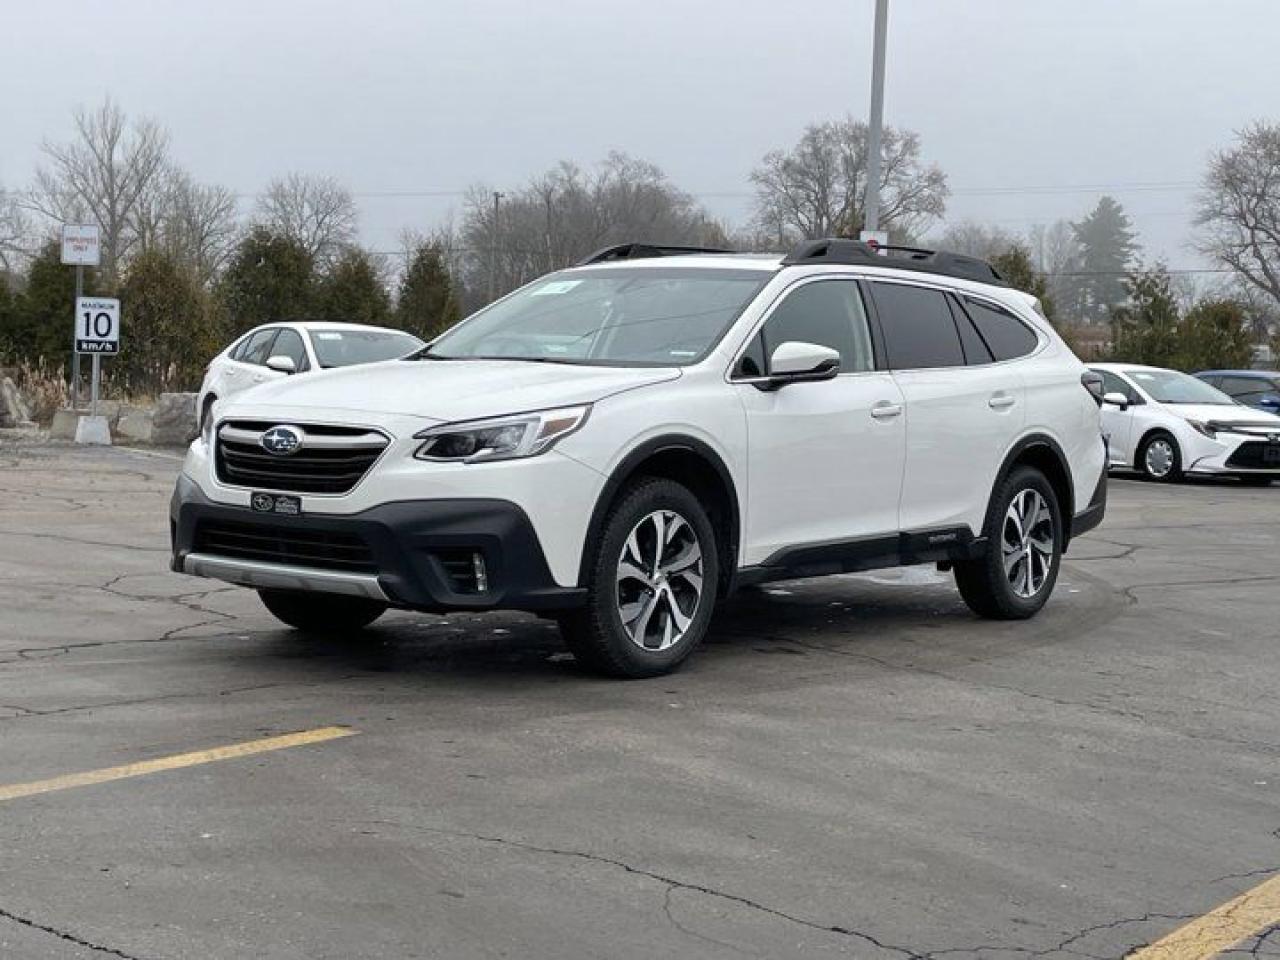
(80, 247)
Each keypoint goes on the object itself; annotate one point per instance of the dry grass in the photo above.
(44, 389)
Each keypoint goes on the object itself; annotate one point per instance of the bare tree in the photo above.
(104, 174)
(199, 224)
(16, 234)
(317, 212)
(976, 239)
(1239, 208)
(566, 213)
(818, 188)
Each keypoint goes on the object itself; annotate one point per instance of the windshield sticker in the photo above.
(554, 287)
(328, 336)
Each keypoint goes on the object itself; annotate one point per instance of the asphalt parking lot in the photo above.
(851, 767)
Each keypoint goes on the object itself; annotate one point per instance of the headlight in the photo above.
(500, 438)
(1203, 429)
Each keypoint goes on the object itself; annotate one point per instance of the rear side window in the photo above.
(826, 312)
(919, 331)
(1006, 335)
(976, 351)
(256, 348)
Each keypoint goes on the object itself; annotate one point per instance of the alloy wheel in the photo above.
(1027, 543)
(659, 580)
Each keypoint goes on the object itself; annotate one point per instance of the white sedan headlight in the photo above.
(1202, 428)
(500, 438)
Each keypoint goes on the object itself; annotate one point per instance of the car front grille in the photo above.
(328, 459)
(281, 543)
(1256, 455)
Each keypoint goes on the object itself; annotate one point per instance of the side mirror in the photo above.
(282, 364)
(796, 362)
(1116, 399)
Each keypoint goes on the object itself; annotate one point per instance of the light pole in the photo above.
(493, 250)
(871, 221)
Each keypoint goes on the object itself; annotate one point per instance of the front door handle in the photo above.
(999, 401)
(885, 410)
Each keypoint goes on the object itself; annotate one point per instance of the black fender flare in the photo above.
(1033, 441)
(626, 469)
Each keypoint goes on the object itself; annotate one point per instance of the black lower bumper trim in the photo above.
(1092, 515)
(414, 545)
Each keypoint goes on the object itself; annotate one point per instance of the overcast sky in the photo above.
(1032, 107)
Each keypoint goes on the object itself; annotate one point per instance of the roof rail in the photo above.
(834, 250)
(640, 251)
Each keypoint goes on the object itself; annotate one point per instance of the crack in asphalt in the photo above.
(65, 935)
(61, 538)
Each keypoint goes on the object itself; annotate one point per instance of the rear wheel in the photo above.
(1014, 578)
(652, 585)
(321, 613)
(1160, 459)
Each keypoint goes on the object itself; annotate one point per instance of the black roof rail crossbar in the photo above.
(640, 251)
(854, 252)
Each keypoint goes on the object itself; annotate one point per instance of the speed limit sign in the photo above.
(97, 325)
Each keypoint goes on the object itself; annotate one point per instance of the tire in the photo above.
(1254, 480)
(321, 613)
(608, 635)
(1159, 458)
(996, 588)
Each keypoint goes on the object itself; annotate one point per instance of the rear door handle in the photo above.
(885, 410)
(1000, 401)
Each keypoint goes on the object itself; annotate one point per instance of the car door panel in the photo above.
(824, 460)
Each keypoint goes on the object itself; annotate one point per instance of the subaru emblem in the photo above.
(281, 440)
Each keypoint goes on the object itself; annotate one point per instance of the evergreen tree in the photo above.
(1215, 335)
(351, 290)
(42, 316)
(1107, 248)
(270, 278)
(427, 304)
(1016, 268)
(168, 328)
(1145, 329)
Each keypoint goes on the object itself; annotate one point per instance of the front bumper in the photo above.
(407, 553)
(1240, 455)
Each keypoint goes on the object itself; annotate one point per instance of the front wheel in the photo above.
(652, 585)
(1023, 531)
(1160, 459)
(321, 613)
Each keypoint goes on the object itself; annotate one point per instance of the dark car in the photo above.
(1254, 388)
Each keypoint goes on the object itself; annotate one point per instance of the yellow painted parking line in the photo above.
(1236, 920)
(177, 761)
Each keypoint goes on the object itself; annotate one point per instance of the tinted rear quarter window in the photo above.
(1006, 335)
(918, 328)
(976, 351)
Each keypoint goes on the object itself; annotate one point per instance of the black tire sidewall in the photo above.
(1007, 602)
(614, 651)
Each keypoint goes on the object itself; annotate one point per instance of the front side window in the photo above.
(345, 348)
(827, 312)
(919, 332)
(1007, 337)
(1114, 384)
(289, 344)
(257, 347)
(636, 316)
(1170, 386)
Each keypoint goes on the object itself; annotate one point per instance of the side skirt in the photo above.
(943, 545)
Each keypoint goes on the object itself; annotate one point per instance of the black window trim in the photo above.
(868, 309)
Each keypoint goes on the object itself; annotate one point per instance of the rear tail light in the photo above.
(1092, 382)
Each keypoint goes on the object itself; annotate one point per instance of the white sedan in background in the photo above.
(277, 350)
(1164, 424)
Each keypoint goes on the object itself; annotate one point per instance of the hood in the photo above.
(1223, 413)
(446, 390)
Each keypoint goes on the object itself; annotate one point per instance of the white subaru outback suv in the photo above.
(622, 444)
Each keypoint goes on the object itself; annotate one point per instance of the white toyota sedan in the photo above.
(277, 350)
(1164, 424)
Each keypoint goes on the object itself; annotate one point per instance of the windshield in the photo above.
(649, 316)
(1169, 386)
(343, 348)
